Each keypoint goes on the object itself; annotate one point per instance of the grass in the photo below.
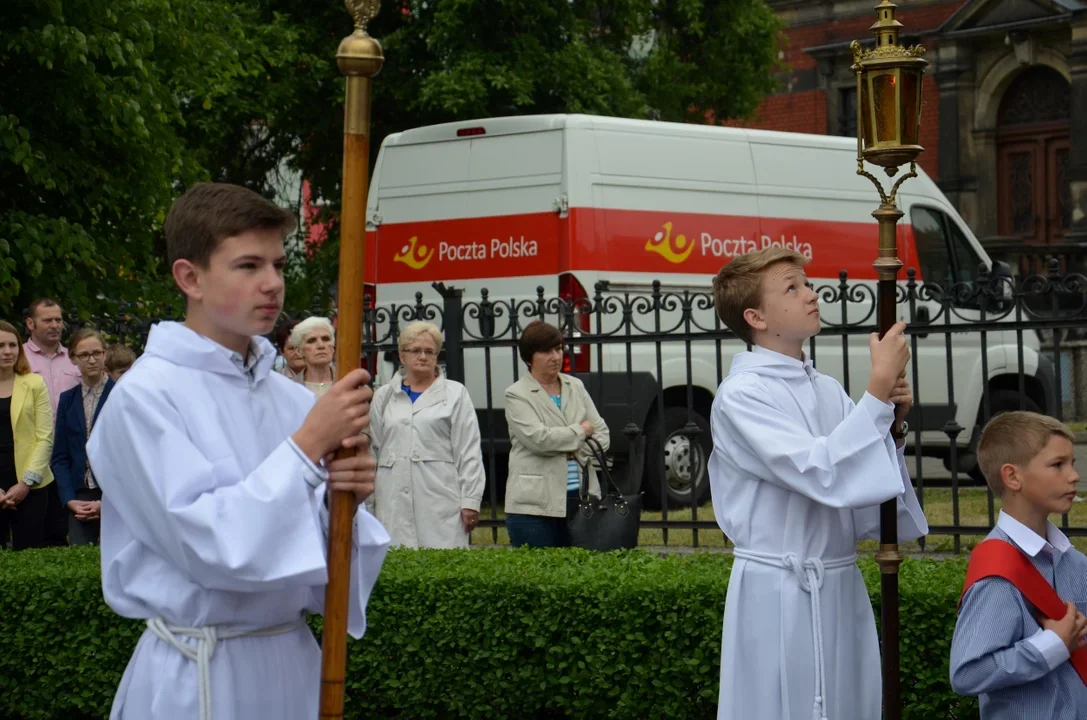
(973, 509)
(1076, 426)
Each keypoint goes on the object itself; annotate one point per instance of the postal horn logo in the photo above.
(673, 250)
(415, 254)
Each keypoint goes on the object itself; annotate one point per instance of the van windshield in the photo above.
(943, 250)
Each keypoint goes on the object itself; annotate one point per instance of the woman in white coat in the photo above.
(425, 438)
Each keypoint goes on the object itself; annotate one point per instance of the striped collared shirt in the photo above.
(1000, 652)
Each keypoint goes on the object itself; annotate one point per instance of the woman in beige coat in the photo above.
(549, 415)
(425, 438)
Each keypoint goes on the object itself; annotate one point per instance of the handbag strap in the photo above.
(597, 451)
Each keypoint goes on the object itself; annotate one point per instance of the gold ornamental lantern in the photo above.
(888, 94)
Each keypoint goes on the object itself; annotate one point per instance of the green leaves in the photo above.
(451, 60)
(478, 633)
(101, 124)
(109, 109)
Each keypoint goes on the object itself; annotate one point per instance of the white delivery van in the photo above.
(565, 202)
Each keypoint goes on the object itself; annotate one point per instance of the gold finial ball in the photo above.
(360, 54)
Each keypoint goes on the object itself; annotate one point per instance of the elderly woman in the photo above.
(289, 362)
(317, 340)
(425, 438)
(549, 415)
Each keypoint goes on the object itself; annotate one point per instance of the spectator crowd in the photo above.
(424, 433)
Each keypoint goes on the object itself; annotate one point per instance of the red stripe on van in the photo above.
(662, 242)
(505, 246)
(617, 240)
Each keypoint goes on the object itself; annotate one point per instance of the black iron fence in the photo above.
(652, 357)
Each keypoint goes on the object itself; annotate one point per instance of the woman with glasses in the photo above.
(290, 361)
(77, 411)
(425, 438)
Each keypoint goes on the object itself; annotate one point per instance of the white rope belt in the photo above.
(207, 638)
(809, 573)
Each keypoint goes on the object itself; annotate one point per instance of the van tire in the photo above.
(686, 459)
(1002, 401)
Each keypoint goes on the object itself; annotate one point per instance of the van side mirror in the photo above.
(1001, 288)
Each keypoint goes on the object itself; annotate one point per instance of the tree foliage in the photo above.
(106, 111)
(109, 110)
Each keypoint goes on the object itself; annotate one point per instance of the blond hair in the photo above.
(1015, 438)
(84, 334)
(738, 286)
(118, 357)
(414, 330)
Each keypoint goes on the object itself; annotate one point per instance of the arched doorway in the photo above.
(1032, 155)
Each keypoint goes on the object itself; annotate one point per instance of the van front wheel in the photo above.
(682, 454)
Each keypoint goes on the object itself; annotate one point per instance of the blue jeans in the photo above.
(538, 530)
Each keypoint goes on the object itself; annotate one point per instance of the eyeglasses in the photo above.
(426, 352)
(96, 354)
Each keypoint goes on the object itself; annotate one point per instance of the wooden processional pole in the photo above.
(889, 79)
(359, 58)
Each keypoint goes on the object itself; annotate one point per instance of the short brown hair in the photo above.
(738, 286)
(208, 213)
(119, 356)
(538, 336)
(22, 365)
(1015, 438)
(42, 302)
(283, 334)
(83, 334)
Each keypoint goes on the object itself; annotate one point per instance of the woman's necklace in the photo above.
(327, 372)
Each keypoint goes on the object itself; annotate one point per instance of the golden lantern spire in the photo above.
(888, 130)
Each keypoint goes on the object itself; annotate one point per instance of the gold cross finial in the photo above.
(363, 11)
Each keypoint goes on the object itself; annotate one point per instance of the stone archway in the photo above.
(1001, 75)
(993, 83)
(1032, 149)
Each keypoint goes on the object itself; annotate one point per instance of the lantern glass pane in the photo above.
(866, 113)
(885, 107)
(911, 113)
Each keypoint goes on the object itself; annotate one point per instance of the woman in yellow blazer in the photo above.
(26, 443)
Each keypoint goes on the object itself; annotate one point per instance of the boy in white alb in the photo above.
(797, 474)
(214, 471)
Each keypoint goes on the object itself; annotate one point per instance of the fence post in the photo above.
(1079, 381)
(452, 318)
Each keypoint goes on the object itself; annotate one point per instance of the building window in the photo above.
(847, 111)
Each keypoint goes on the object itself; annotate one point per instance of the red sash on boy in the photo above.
(996, 558)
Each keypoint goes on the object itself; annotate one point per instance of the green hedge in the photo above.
(480, 633)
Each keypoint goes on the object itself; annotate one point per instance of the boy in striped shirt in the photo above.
(1018, 642)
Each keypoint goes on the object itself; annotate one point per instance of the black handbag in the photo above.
(608, 523)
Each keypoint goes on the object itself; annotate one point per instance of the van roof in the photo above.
(541, 123)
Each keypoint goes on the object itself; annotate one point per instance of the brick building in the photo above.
(1006, 85)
